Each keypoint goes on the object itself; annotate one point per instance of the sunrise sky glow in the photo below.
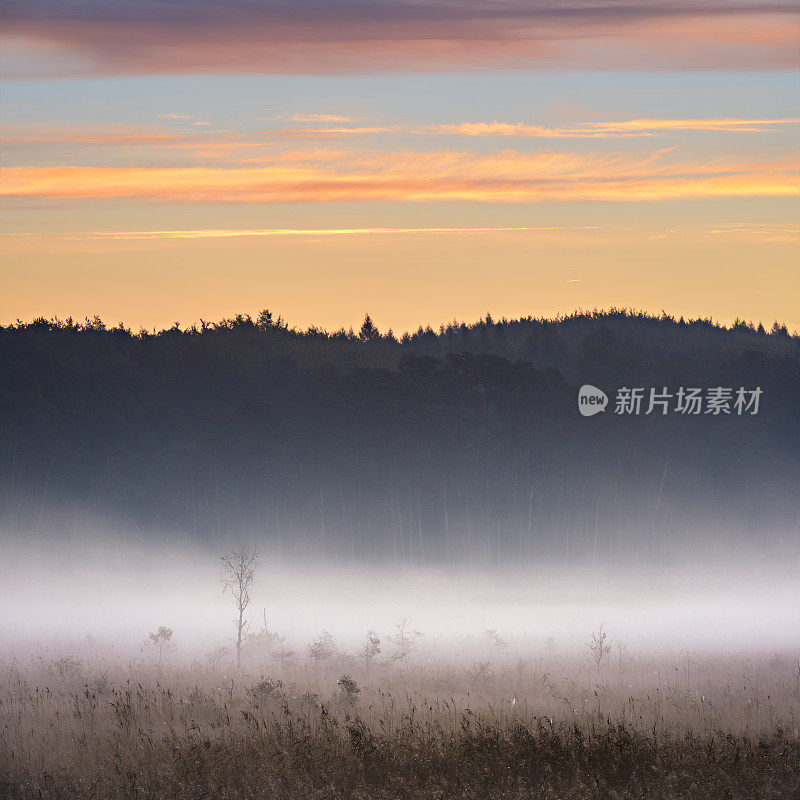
(420, 161)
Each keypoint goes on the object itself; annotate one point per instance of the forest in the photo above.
(457, 446)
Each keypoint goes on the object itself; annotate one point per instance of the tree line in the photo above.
(462, 445)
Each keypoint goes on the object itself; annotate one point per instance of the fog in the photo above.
(100, 599)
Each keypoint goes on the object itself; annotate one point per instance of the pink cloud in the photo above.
(312, 36)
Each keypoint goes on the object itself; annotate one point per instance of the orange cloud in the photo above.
(225, 233)
(190, 140)
(757, 232)
(634, 127)
(729, 125)
(506, 176)
(304, 132)
(226, 142)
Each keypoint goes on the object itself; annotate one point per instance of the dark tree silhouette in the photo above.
(368, 330)
(462, 445)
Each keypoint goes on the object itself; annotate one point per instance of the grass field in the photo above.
(510, 726)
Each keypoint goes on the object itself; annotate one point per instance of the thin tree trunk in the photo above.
(239, 640)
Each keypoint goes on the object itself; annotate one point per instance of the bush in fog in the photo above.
(371, 648)
(284, 655)
(68, 667)
(160, 641)
(494, 637)
(101, 683)
(349, 688)
(264, 640)
(520, 667)
(266, 687)
(216, 656)
(777, 661)
(480, 673)
(323, 649)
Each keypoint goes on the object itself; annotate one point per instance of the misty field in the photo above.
(510, 726)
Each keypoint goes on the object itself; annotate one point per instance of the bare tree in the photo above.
(404, 640)
(598, 648)
(239, 565)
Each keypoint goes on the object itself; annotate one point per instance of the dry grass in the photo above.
(547, 728)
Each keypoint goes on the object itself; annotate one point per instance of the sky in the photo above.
(420, 160)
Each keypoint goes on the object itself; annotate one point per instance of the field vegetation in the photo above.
(400, 723)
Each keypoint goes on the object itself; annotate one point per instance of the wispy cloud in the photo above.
(503, 177)
(212, 141)
(602, 130)
(51, 137)
(317, 118)
(316, 36)
(667, 125)
(756, 231)
(190, 139)
(739, 231)
(330, 131)
(237, 233)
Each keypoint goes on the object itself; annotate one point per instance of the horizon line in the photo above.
(278, 322)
